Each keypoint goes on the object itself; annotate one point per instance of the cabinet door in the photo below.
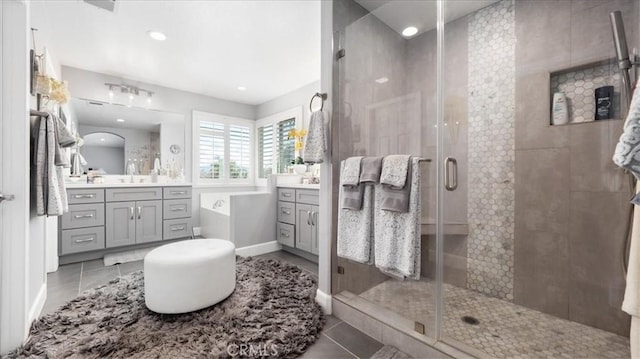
(314, 229)
(303, 227)
(121, 225)
(148, 221)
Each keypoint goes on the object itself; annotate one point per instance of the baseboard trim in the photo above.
(258, 249)
(324, 300)
(38, 304)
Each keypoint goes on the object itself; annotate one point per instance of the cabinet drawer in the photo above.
(286, 194)
(177, 228)
(83, 215)
(287, 212)
(286, 234)
(308, 196)
(79, 196)
(81, 240)
(177, 208)
(133, 194)
(177, 192)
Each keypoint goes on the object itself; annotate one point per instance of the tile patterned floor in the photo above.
(338, 339)
(505, 330)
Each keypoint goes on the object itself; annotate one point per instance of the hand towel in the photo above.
(355, 227)
(316, 144)
(395, 188)
(371, 167)
(395, 170)
(350, 175)
(352, 197)
(627, 153)
(397, 235)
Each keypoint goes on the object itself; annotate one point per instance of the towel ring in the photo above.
(322, 96)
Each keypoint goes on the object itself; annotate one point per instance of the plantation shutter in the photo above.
(265, 151)
(211, 145)
(285, 145)
(239, 151)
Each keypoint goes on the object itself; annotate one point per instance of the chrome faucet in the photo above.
(218, 203)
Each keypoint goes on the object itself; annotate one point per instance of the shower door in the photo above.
(385, 99)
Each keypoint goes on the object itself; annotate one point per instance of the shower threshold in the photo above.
(502, 330)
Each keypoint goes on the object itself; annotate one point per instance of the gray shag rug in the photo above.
(271, 313)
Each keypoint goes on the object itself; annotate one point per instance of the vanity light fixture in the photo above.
(409, 31)
(157, 35)
(131, 91)
(382, 80)
(119, 119)
(242, 88)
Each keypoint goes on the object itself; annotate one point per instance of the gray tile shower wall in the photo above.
(570, 200)
(491, 150)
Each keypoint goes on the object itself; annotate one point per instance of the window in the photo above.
(275, 150)
(225, 144)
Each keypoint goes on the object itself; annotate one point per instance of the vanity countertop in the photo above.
(75, 185)
(299, 186)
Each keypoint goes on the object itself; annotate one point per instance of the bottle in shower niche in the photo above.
(604, 103)
(559, 110)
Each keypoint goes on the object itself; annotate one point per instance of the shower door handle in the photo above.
(450, 174)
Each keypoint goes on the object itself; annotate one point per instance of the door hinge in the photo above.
(340, 54)
(340, 270)
(419, 327)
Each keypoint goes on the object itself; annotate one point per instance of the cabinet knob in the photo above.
(132, 215)
(139, 212)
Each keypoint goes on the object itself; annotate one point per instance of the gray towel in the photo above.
(355, 227)
(350, 175)
(352, 197)
(316, 143)
(397, 235)
(394, 170)
(371, 167)
(395, 199)
(395, 188)
(627, 154)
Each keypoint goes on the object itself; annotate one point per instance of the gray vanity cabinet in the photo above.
(133, 222)
(121, 224)
(298, 219)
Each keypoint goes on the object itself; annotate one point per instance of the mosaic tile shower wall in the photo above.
(491, 150)
(579, 88)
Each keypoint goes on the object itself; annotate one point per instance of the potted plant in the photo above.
(297, 163)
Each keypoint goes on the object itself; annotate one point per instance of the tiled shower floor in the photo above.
(505, 330)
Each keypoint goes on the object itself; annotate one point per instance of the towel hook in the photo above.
(322, 96)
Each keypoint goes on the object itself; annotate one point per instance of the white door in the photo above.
(14, 174)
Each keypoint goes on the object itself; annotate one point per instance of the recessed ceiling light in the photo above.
(242, 88)
(102, 139)
(157, 35)
(120, 119)
(409, 31)
(382, 80)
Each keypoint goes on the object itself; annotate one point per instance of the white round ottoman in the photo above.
(189, 275)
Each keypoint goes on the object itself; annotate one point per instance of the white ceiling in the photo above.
(212, 47)
(91, 113)
(399, 14)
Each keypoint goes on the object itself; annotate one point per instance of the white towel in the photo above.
(395, 170)
(316, 143)
(397, 235)
(627, 154)
(355, 227)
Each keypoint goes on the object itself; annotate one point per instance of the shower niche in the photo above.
(579, 84)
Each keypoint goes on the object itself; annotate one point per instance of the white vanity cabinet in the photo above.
(103, 219)
(298, 219)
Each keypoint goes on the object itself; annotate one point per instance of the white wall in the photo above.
(298, 97)
(22, 277)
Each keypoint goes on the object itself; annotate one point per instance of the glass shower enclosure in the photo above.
(523, 221)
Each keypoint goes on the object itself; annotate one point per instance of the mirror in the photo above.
(117, 135)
